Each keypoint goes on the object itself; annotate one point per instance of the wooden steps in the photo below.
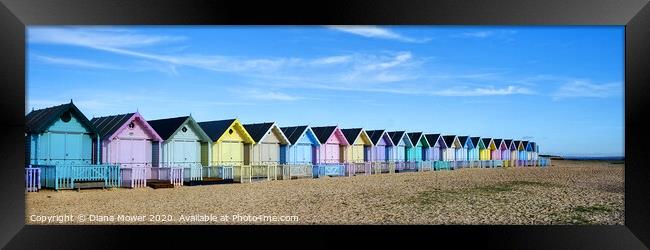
(159, 184)
(208, 181)
(88, 184)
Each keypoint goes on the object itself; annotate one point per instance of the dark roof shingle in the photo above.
(258, 130)
(432, 138)
(351, 134)
(375, 135)
(395, 136)
(414, 137)
(323, 133)
(108, 125)
(449, 139)
(293, 133)
(38, 121)
(215, 129)
(166, 127)
(463, 140)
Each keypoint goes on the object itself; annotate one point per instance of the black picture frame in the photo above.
(15, 15)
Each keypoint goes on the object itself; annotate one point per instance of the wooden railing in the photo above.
(358, 168)
(297, 170)
(64, 176)
(175, 175)
(32, 179)
(440, 165)
(329, 169)
(135, 177)
(425, 166)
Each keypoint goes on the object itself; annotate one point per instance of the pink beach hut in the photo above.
(127, 140)
(329, 157)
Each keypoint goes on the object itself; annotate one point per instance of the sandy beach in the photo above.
(570, 192)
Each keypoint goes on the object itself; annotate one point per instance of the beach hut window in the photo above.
(131, 125)
(230, 131)
(66, 117)
(184, 129)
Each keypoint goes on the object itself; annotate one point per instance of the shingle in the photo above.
(108, 125)
(432, 138)
(375, 135)
(215, 129)
(351, 134)
(293, 133)
(166, 127)
(414, 137)
(258, 130)
(323, 133)
(463, 140)
(37, 121)
(449, 139)
(396, 136)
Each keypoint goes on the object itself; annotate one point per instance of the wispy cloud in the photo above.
(490, 91)
(74, 62)
(377, 32)
(487, 34)
(584, 88)
(91, 37)
(257, 94)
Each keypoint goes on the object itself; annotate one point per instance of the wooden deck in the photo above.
(88, 184)
(208, 181)
(156, 184)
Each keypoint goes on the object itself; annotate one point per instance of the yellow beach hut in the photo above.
(228, 140)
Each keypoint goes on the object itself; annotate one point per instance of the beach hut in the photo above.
(486, 153)
(529, 153)
(436, 150)
(356, 154)
(414, 154)
(449, 153)
(185, 147)
(522, 156)
(496, 154)
(228, 139)
(329, 155)
(474, 153)
(62, 151)
(380, 151)
(264, 155)
(462, 154)
(296, 156)
(398, 153)
(128, 140)
(506, 155)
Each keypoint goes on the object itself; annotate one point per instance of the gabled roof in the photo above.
(530, 146)
(476, 141)
(520, 143)
(108, 125)
(376, 135)
(324, 133)
(464, 140)
(168, 126)
(259, 130)
(294, 133)
(216, 129)
(396, 136)
(449, 139)
(417, 136)
(351, 135)
(38, 121)
(486, 142)
(509, 142)
(498, 143)
(433, 138)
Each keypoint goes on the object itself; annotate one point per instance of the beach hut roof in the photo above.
(530, 146)
(486, 141)
(351, 135)
(449, 139)
(38, 121)
(376, 135)
(216, 129)
(259, 130)
(294, 133)
(109, 125)
(325, 132)
(417, 136)
(508, 142)
(476, 141)
(433, 138)
(396, 136)
(464, 140)
(168, 126)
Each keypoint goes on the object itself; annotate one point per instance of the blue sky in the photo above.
(560, 86)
